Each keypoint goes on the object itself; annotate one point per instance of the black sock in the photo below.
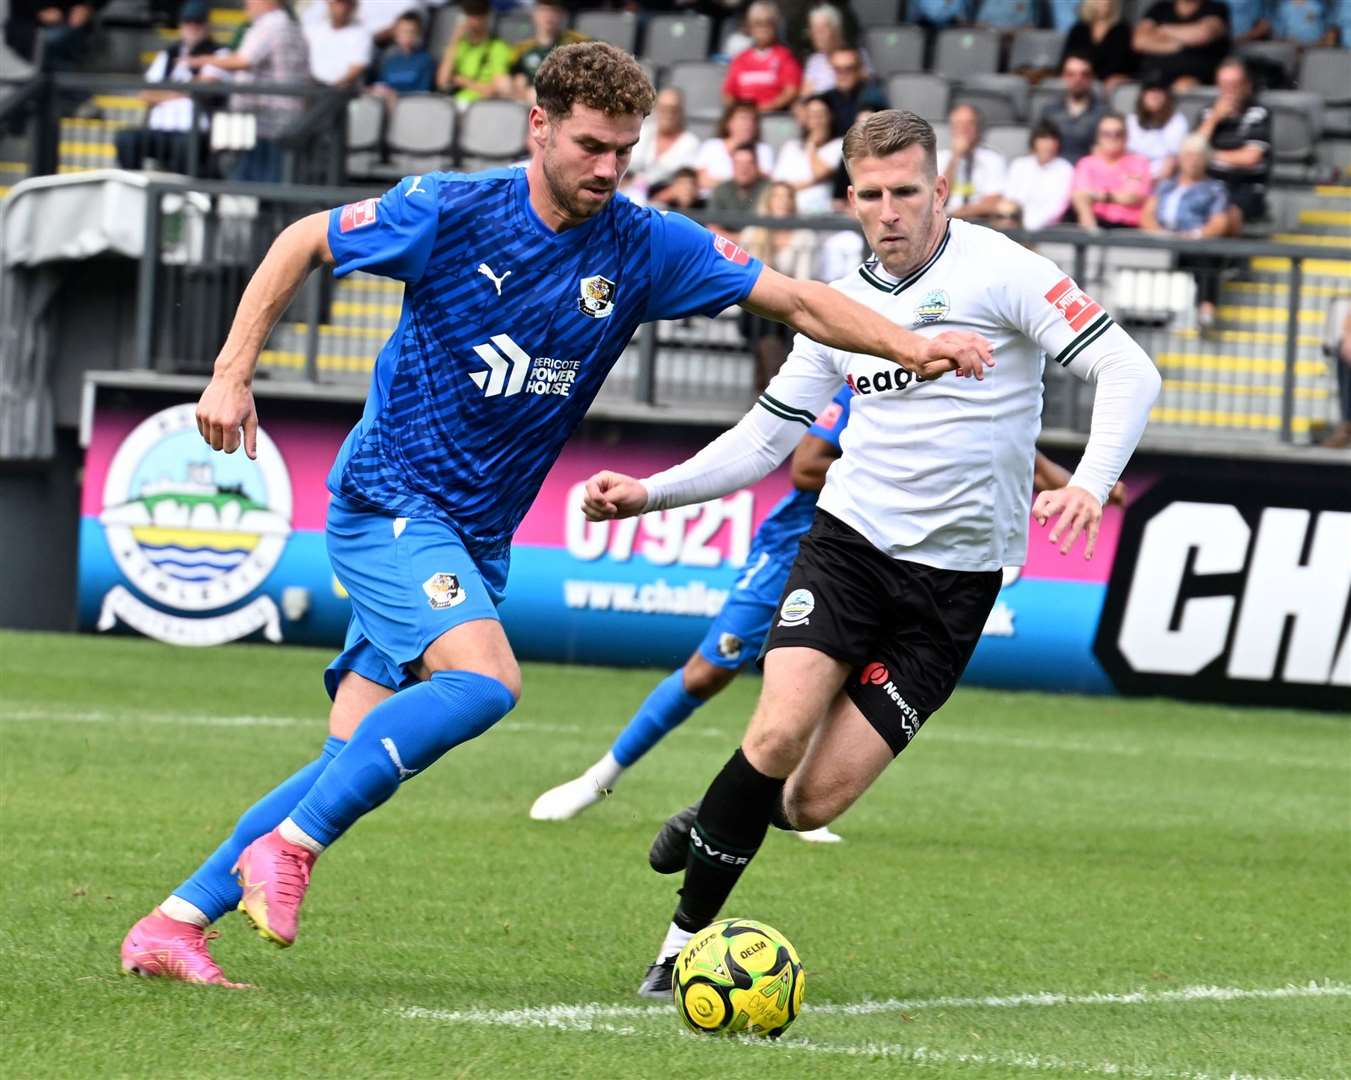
(729, 830)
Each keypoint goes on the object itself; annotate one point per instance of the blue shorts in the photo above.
(410, 580)
(740, 627)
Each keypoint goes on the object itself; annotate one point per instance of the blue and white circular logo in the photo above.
(797, 606)
(192, 529)
(933, 308)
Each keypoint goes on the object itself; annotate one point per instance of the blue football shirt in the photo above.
(792, 515)
(507, 332)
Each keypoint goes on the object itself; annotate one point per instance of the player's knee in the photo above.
(775, 750)
(703, 679)
(806, 810)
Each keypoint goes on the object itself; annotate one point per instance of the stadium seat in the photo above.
(894, 49)
(672, 38)
(921, 93)
(703, 127)
(365, 126)
(492, 133)
(1001, 99)
(1327, 72)
(617, 27)
(1008, 139)
(963, 51)
(777, 128)
(942, 136)
(440, 31)
(421, 134)
(1194, 102)
(876, 12)
(514, 27)
(1036, 49)
(1123, 97)
(1282, 55)
(1296, 123)
(701, 83)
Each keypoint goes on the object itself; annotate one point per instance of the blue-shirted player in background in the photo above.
(523, 287)
(733, 639)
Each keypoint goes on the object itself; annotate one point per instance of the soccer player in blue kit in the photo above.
(733, 638)
(522, 289)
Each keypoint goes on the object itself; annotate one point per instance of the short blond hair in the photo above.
(887, 132)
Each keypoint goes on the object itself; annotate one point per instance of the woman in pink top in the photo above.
(1110, 185)
(767, 73)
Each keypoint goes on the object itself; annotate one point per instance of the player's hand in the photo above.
(1117, 496)
(225, 409)
(1079, 512)
(954, 350)
(612, 495)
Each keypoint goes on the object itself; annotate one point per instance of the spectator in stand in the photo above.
(165, 136)
(474, 59)
(767, 73)
(1006, 15)
(936, 15)
(740, 194)
(1076, 115)
(549, 18)
(1182, 41)
(853, 90)
(273, 50)
(62, 27)
(1338, 350)
(1238, 128)
(1156, 129)
(664, 146)
(975, 173)
(1248, 20)
(740, 124)
(681, 193)
(825, 29)
(340, 47)
(407, 68)
(1304, 22)
(1193, 206)
(377, 17)
(1064, 14)
(807, 164)
(1341, 20)
(1111, 186)
(789, 251)
(1037, 189)
(1104, 37)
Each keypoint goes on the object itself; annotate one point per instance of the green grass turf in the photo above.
(1024, 843)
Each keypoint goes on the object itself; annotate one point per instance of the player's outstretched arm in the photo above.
(828, 316)
(226, 407)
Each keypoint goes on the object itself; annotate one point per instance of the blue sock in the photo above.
(399, 738)
(213, 889)
(666, 708)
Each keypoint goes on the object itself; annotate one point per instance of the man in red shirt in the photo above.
(767, 73)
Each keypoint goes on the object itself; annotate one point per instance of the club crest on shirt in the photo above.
(730, 646)
(797, 608)
(933, 308)
(598, 297)
(443, 590)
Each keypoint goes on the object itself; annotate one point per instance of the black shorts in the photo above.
(906, 629)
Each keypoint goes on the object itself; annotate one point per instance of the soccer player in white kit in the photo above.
(930, 501)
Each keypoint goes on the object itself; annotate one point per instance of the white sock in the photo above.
(294, 834)
(676, 939)
(605, 772)
(180, 910)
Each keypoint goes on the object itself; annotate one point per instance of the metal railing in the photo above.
(1257, 373)
(313, 146)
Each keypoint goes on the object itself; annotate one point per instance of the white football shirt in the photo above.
(940, 472)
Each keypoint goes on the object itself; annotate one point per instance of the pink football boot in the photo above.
(161, 947)
(274, 875)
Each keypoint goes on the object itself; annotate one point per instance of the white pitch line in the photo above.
(558, 1015)
(595, 1018)
(933, 733)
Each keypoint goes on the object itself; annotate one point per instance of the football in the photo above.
(738, 977)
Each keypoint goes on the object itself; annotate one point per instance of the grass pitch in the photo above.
(1041, 886)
